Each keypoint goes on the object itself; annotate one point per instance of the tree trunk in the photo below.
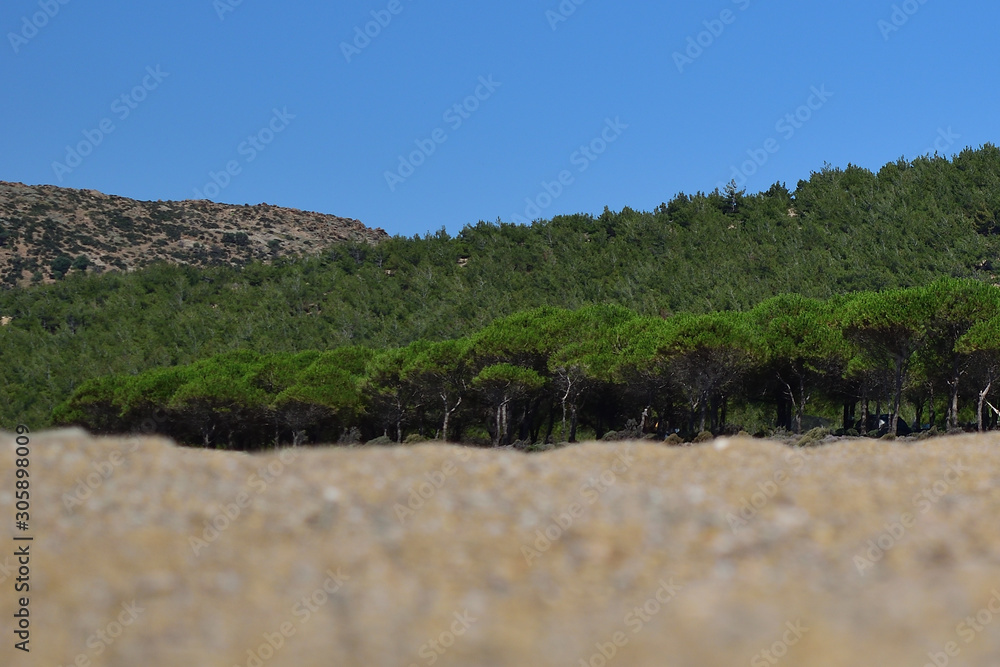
(803, 399)
(953, 408)
(562, 434)
(447, 415)
(704, 411)
(552, 421)
(849, 414)
(982, 399)
(897, 399)
(444, 426)
(932, 409)
(501, 423)
(798, 406)
(784, 411)
(863, 426)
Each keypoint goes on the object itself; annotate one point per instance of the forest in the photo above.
(543, 375)
(721, 255)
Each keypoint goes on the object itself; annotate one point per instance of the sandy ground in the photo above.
(731, 553)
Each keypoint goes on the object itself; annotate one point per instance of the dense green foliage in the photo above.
(538, 375)
(840, 231)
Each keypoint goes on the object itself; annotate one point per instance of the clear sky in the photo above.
(569, 106)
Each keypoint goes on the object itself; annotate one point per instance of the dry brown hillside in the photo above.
(39, 223)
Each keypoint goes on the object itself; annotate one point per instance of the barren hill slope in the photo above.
(41, 223)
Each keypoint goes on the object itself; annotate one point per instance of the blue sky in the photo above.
(567, 107)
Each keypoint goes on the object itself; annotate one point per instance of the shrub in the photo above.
(236, 238)
(813, 436)
(81, 263)
(674, 440)
(414, 438)
(382, 440)
(743, 434)
(60, 265)
(351, 436)
(704, 436)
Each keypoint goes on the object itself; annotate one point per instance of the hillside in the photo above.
(39, 224)
(839, 231)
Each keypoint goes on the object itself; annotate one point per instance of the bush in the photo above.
(704, 436)
(382, 440)
(851, 433)
(743, 434)
(414, 438)
(236, 238)
(813, 436)
(888, 436)
(60, 265)
(674, 440)
(351, 436)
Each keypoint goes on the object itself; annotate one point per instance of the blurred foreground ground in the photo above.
(860, 552)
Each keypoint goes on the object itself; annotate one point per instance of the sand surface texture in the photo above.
(737, 552)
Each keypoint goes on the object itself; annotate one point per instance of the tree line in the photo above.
(543, 375)
(838, 231)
